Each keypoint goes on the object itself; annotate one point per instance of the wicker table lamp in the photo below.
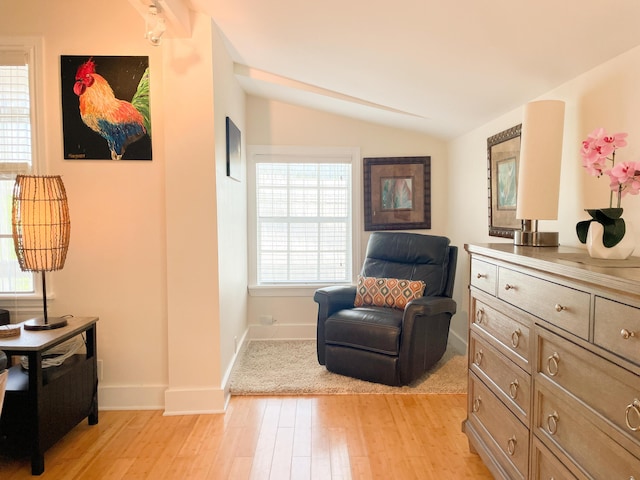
(41, 228)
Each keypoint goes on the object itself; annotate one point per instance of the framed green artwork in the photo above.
(503, 158)
(397, 193)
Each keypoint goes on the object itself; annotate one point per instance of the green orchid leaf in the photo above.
(613, 232)
(581, 230)
(605, 215)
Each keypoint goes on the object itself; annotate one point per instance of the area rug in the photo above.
(290, 367)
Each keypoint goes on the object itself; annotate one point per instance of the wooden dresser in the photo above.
(554, 363)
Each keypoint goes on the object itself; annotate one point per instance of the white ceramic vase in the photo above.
(621, 251)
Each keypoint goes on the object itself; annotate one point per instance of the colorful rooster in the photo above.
(119, 122)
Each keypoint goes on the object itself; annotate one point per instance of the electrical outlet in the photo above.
(266, 319)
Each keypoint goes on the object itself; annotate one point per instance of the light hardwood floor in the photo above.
(304, 437)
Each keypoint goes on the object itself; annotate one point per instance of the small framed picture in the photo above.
(234, 146)
(397, 193)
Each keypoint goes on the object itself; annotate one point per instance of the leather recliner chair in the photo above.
(390, 345)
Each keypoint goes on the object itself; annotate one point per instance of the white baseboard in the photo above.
(125, 397)
(457, 342)
(159, 397)
(282, 332)
(194, 401)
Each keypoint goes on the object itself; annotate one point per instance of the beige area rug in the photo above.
(290, 367)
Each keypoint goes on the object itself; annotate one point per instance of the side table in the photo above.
(42, 405)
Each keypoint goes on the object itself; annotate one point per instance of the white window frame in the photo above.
(32, 47)
(254, 153)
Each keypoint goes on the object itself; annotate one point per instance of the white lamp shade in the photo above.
(40, 220)
(540, 157)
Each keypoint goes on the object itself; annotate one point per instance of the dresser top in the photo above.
(573, 263)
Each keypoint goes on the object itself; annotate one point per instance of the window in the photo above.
(302, 214)
(16, 153)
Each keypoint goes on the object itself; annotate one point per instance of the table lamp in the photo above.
(41, 229)
(539, 171)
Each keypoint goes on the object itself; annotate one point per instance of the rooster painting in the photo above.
(122, 119)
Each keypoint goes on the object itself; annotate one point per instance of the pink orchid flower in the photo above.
(600, 147)
(624, 178)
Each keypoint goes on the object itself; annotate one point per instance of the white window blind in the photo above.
(15, 157)
(303, 219)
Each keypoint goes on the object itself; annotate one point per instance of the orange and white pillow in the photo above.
(387, 292)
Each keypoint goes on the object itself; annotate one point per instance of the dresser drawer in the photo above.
(513, 337)
(605, 387)
(507, 380)
(559, 305)
(561, 421)
(484, 276)
(507, 433)
(546, 466)
(617, 328)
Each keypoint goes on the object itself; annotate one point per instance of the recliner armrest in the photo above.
(334, 298)
(429, 306)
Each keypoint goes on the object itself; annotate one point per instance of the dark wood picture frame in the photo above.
(397, 193)
(234, 150)
(503, 161)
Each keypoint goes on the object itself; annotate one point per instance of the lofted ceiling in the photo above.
(440, 67)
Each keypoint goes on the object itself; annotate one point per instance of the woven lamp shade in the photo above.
(41, 224)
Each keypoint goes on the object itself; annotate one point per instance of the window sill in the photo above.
(286, 290)
(27, 300)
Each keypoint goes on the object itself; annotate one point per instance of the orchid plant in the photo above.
(598, 149)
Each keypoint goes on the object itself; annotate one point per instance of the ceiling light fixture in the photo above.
(155, 25)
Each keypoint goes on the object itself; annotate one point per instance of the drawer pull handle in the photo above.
(552, 364)
(559, 307)
(626, 334)
(476, 403)
(552, 423)
(480, 315)
(633, 407)
(511, 445)
(477, 358)
(481, 275)
(515, 338)
(508, 286)
(513, 389)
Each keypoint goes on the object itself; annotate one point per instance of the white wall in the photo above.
(606, 96)
(116, 266)
(145, 234)
(229, 101)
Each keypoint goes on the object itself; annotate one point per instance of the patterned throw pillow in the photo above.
(387, 292)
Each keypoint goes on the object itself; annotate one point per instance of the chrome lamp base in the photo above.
(531, 237)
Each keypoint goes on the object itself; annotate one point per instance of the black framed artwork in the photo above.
(234, 152)
(106, 107)
(397, 193)
(503, 160)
